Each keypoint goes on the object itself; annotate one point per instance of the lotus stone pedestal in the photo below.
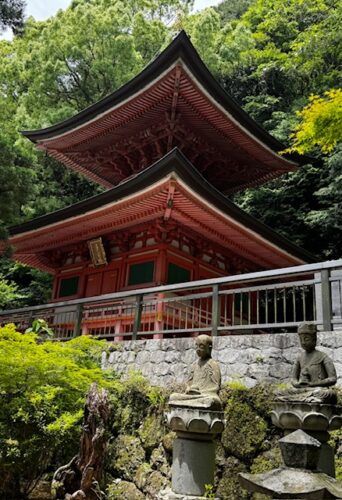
(315, 419)
(299, 477)
(193, 463)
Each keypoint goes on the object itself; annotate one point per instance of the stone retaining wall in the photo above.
(249, 358)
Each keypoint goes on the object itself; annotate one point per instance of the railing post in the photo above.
(137, 317)
(30, 319)
(78, 322)
(215, 318)
(326, 300)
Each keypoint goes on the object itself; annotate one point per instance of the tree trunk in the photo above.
(80, 478)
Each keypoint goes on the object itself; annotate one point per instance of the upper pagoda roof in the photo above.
(169, 189)
(174, 101)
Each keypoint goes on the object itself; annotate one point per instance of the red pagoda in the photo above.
(169, 146)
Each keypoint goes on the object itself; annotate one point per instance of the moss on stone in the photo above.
(141, 475)
(126, 454)
(151, 431)
(270, 459)
(259, 496)
(335, 441)
(124, 490)
(338, 468)
(155, 483)
(136, 400)
(144, 454)
(245, 430)
(168, 440)
(220, 456)
(159, 461)
(228, 487)
(260, 397)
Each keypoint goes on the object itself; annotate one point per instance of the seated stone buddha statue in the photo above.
(205, 381)
(313, 372)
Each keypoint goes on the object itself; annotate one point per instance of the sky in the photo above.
(42, 9)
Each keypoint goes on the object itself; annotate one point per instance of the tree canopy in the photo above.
(270, 55)
(12, 14)
(321, 123)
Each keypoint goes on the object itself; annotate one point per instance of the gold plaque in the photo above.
(97, 252)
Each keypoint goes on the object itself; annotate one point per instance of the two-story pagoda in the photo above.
(169, 145)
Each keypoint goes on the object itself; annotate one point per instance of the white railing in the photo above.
(272, 301)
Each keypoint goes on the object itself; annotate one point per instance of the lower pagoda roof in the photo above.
(171, 189)
(174, 102)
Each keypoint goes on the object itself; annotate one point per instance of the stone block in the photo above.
(152, 345)
(142, 357)
(329, 339)
(158, 357)
(130, 357)
(226, 356)
(172, 356)
(258, 372)
(337, 355)
(188, 357)
(182, 344)
(280, 372)
(237, 370)
(162, 368)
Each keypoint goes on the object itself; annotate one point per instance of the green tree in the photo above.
(16, 176)
(8, 293)
(12, 14)
(321, 123)
(326, 220)
(232, 9)
(42, 390)
(295, 51)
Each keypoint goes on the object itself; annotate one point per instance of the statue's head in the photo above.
(204, 345)
(308, 336)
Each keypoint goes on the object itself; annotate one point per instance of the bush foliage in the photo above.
(42, 389)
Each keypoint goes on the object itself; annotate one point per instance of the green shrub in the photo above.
(42, 393)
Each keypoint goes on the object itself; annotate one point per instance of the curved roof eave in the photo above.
(176, 162)
(180, 48)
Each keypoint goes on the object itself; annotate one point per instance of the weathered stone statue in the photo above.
(205, 381)
(306, 413)
(197, 418)
(312, 373)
